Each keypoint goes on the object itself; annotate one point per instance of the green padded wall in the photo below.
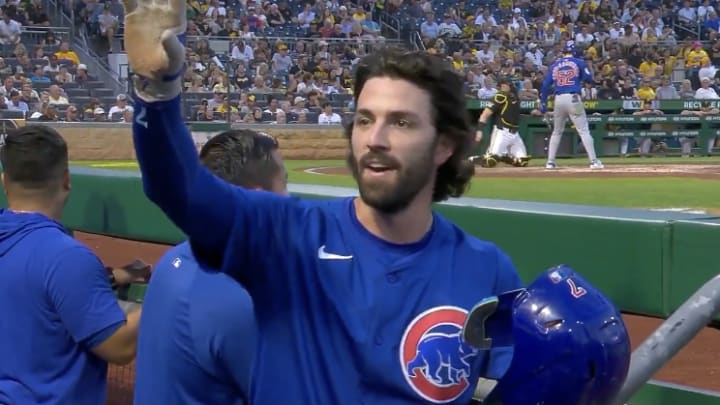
(659, 393)
(694, 257)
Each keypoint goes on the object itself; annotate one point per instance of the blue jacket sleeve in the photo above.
(227, 225)
(79, 290)
(174, 179)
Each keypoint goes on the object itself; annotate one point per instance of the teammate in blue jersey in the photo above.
(197, 334)
(357, 299)
(565, 78)
(60, 323)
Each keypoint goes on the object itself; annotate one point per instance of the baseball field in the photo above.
(651, 183)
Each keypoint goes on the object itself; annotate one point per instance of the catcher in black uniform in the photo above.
(505, 142)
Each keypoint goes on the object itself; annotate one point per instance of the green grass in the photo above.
(661, 192)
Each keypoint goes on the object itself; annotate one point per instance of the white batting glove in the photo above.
(154, 35)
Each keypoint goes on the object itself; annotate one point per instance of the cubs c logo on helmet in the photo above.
(435, 360)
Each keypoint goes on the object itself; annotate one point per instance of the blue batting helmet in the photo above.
(569, 47)
(570, 345)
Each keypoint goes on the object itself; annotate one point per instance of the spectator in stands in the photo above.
(99, 115)
(327, 116)
(121, 105)
(108, 25)
(81, 74)
(429, 29)
(666, 91)
(259, 86)
(10, 30)
(47, 112)
(37, 76)
(8, 86)
(588, 91)
(218, 98)
(56, 97)
(645, 91)
(280, 117)
(63, 76)
(28, 95)
(687, 15)
(686, 91)
(128, 114)
(65, 53)
(16, 104)
(72, 114)
(707, 70)
(487, 91)
(281, 61)
(241, 51)
(53, 66)
(706, 91)
(36, 14)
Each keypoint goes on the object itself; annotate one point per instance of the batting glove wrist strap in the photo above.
(150, 90)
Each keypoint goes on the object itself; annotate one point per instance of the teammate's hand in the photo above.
(134, 272)
(155, 51)
(535, 112)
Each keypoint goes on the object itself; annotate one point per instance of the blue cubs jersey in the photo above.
(197, 335)
(56, 305)
(342, 315)
(566, 75)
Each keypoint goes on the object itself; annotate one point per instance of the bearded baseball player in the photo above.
(505, 142)
(357, 299)
(565, 78)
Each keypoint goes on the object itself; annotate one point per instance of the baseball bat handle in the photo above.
(677, 331)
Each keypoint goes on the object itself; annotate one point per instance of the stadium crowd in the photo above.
(292, 61)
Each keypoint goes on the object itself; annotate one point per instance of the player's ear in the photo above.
(66, 181)
(443, 150)
(4, 182)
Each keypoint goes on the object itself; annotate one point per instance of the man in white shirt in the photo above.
(484, 55)
(328, 117)
(306, 16)
(584, 37)
(448, 27)
(617, 30)
(487, 91)
(10, 31)
(705, 92)
(485, 17)
(429, 29)
(215, 10)
(119, 108)
(707, 70)
(688, 14)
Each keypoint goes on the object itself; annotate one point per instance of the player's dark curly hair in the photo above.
(437, 76)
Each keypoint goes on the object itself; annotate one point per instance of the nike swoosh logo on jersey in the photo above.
(322, 254)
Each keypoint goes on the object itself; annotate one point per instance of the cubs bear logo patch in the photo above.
(436, 361)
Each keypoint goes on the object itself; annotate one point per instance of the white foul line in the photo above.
(316, 170)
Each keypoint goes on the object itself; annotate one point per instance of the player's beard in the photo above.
(407, 181)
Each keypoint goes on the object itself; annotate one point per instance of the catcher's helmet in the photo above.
(570, 345)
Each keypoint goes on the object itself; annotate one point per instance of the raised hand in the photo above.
(154, 35)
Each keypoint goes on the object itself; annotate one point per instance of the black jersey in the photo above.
(506, 110)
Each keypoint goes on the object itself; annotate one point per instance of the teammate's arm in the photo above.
(80, 293)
